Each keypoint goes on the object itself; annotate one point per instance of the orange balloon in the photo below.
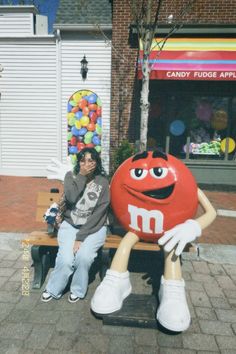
(75, 109)
(91, 127)
(92, 107)
(85, 111)
(83, 103)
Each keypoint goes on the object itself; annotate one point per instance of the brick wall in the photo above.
(124, 96)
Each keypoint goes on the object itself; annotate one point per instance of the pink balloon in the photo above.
(204, 111)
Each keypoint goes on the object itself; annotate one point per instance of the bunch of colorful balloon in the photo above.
(84, 122)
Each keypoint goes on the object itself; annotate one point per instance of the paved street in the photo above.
(30, 326)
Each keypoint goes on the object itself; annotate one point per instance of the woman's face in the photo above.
(87, 161)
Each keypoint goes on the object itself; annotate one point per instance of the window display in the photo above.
(191, 125)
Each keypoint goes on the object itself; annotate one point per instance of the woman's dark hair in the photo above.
(95, 156)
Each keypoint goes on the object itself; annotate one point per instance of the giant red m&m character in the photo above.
(151, 193)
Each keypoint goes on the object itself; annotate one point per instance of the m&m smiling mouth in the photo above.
(160, 193)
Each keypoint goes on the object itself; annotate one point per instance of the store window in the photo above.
(193, 120)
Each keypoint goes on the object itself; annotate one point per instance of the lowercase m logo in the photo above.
(146, 216)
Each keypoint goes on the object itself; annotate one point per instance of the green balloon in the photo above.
(98, 129)
(99, 103)
(88, 135)
(72, 121)
(98, 148)
(69, 136)
(87, 140)
(73, 159)
(72, 103)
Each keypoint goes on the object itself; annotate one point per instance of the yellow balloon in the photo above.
(231, 145)
(87, 92)
(77, 96)
(70, 115)
(219, 120)
(77, 124)
(84, 121)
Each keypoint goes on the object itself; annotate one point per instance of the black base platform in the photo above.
(137, 311)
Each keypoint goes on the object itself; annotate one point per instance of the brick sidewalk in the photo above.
(30, 326)
(18, 203)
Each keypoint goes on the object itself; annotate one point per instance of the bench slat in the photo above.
(112, 241)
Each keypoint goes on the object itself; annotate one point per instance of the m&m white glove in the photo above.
(180, 235)
(58, 170)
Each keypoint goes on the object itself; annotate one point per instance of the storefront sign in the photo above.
(192, 59)
(193, 75)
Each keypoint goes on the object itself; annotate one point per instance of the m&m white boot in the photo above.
(112, 291)
(173, 312)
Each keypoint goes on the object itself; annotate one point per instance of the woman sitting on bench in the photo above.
(83, 230)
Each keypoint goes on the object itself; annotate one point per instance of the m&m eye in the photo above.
(138, 173)
(159, 172)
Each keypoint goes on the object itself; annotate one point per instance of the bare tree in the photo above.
(145, 17)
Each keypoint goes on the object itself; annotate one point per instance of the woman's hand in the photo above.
(77, 245)
(87, 169)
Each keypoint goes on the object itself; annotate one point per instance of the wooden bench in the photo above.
(44, 246)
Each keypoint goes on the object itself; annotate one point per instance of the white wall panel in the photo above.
(37, 80)
(98, 55)
(28, 118)
(16, 24)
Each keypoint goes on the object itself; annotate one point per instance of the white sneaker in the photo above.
(173, 312)
(110, 294)
(73, 298)
(46, 297)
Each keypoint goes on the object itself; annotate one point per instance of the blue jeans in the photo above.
(79, 264)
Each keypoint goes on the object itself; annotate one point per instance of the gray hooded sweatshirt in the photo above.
(87, 203)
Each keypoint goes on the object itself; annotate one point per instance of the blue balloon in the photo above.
(82, 131)
(99, 121)
(96, 140)
(177, 127)
(75, 131)
(73, 149)
(69, 107)
(78, 115)
(92, 98)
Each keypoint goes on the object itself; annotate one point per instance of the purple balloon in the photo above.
(90, 113)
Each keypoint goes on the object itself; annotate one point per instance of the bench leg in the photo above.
(105, 262)
(41, 261)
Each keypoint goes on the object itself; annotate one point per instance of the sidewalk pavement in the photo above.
(30, 326)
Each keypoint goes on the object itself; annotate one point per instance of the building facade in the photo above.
(40, 73)
(192, 86)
